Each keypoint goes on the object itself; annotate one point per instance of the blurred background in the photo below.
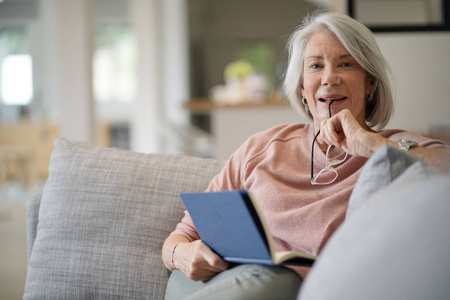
(194, 77)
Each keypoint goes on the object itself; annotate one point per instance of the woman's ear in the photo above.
(301, 89)
(370, 84)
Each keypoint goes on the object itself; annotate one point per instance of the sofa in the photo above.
(96, 229)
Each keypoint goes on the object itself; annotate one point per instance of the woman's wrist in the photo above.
(170, 254)
(173, 254)
(374, 142)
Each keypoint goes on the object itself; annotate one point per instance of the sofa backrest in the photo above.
(98, 229)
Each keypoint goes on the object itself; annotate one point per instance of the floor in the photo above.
(13, 243)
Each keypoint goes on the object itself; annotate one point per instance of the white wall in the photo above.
(421, 67)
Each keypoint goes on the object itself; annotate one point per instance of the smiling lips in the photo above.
(332, 99)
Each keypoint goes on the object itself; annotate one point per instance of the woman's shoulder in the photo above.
(281, 132)
(259, 142)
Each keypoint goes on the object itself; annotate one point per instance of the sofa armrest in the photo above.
(33, 205)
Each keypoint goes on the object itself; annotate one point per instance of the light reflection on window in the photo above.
(16, 66)
(17, 79)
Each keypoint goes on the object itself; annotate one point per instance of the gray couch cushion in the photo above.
(32, 220)
(381, 169)
(102, 220)
(394, 246)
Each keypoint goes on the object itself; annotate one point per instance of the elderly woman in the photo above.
(302, 174)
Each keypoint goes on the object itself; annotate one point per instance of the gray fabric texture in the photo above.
(32, 220)
(103, 217)
(380, 170)
(395, 246)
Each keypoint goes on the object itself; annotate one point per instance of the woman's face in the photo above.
(331, 73)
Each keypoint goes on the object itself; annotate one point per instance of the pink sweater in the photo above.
(276, 166)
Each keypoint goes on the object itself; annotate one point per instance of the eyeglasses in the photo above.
(328, 174)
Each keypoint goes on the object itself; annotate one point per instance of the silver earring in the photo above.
(304, 101)
(369, 97)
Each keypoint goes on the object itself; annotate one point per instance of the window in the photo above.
(16, 67)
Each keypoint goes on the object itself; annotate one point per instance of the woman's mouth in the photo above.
(328, 100)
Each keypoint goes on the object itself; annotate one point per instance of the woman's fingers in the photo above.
(329, 133)
(343, 131)
(199, 262)
(214, 261)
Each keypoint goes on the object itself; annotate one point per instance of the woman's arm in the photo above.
(342, 130)
(195, 259)
(436, 157)
(168, 249)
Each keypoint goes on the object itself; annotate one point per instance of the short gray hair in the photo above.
(362, 46)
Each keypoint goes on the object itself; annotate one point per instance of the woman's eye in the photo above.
(314, 66)
(346, 64)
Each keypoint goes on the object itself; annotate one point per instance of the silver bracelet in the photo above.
(173, 251)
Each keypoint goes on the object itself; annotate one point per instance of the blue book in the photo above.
(231, 224)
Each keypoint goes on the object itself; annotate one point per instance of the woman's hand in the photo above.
(197, 261)
(344, 131)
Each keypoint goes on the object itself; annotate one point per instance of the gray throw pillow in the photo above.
(102, 220)
(395, 246)
(381, 169)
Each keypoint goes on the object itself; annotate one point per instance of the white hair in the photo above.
(362, 46)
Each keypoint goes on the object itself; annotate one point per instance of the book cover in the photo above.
(231, 224)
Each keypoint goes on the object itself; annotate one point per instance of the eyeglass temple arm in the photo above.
(314, 140)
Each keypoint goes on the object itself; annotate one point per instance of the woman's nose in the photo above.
(330, 77)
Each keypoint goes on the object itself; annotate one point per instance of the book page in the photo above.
(285, 256)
